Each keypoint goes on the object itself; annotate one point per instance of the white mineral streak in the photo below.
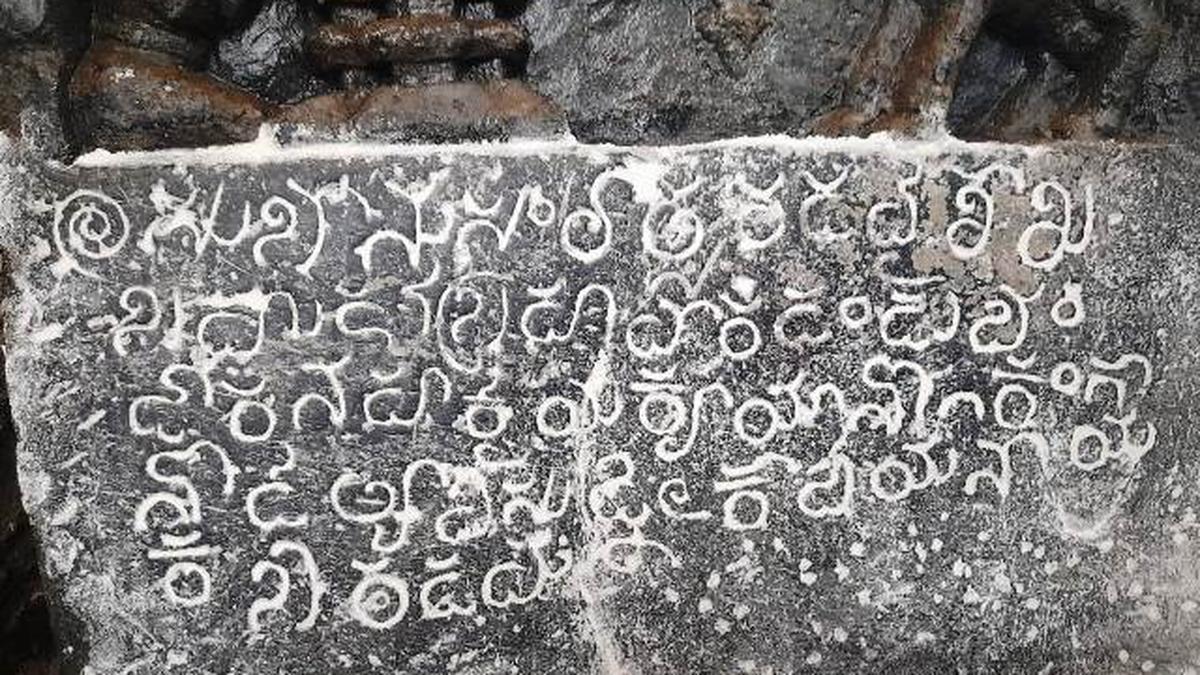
(597, 626)
(9, 204)
(267, 149)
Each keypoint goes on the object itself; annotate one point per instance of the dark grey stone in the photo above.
(33, 63)
(18, 17)
(757, 407)
(649, 72)
(631, 71)
(267, 57)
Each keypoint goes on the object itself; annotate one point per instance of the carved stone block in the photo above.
(763, 406)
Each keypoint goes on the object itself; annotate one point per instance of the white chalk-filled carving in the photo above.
(441, 390)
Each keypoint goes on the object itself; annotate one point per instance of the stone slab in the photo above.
(760, 406)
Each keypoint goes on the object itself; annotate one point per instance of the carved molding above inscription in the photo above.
(432, 394)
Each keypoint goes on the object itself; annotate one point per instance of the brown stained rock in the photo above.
(416, 74)
(438, 112)
(732, 27)
(887, 91)
(354, 14)
(745, 21)
(132, 99)
(1108, 46)
(142, 84)
(417, 38)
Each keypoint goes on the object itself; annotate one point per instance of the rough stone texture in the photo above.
(416, 38)
(29, 107)
(644, 71)
(647, 72)
(453, 111)
(771, 406)
(131, 98)
(26, 645)
(705, 69)
(1045, 76)
(162, 74)
(35, 59)
(18, 17)
(268, 56)
(37, 41)
(142, 82)
(636, 71)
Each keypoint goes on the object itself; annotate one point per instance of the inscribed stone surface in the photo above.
(761, 406)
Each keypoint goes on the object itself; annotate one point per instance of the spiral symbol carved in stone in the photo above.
(89, 225)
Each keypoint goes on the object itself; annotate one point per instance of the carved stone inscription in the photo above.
(700, 410)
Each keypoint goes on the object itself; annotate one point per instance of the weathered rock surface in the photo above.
(268, 55)
(447, 112)
(18, 17)
(36, 55)
(637, 72)
(131, 98)
(769, 406)
(37, 41)
(649, 72)
(416, 38)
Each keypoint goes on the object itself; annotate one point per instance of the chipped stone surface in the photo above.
(763, 406)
